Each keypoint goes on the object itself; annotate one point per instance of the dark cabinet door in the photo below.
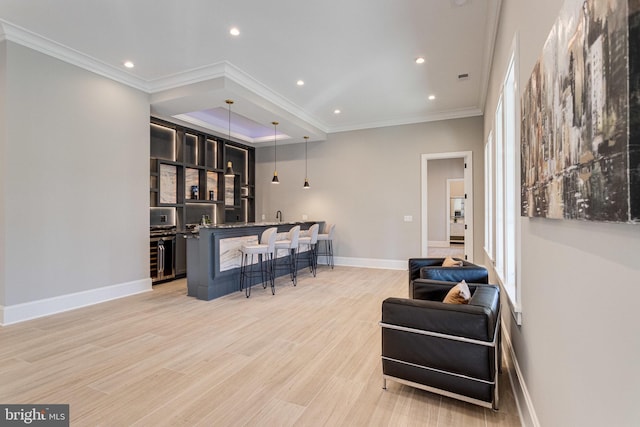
(181, 256)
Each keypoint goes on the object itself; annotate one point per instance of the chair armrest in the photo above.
(476, 320)
(469, 273)
(432, 290)
(415, 264)
(435, 290)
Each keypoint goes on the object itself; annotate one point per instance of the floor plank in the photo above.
(309, 355)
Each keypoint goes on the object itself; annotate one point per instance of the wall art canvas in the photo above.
(580, 126)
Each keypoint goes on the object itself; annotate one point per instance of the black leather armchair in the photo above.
(448, 349)
(431, 268)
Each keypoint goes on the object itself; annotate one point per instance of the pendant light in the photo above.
(229, 171)
(306, 185)
(275, 156)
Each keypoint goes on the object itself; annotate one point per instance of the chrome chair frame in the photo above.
(493, 344)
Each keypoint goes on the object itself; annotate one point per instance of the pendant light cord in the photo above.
(275, 146)
(306, 140)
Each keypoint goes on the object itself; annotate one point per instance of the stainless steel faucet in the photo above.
(279, 215)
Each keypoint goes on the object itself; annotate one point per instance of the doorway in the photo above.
(438, 215)
(455, 204)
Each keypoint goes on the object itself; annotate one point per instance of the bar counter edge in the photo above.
(205, 278)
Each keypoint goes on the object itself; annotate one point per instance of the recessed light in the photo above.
(234, 31)
(300, 83)
(432, 97)
(336, 111)
(129, 64)
(420, 60)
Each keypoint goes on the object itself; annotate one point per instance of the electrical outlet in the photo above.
(264, 217)
(304, 217)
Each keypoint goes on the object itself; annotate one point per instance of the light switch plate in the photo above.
(408, 218)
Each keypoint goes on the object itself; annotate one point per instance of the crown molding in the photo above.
(195, 75)
(445, 115)
(243, 79)
(493, 18)
(24, 37)
(226, 70)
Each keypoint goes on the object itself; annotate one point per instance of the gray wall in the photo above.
(365, 182)
(3, 165)
(437, 174)
(578, 346)
(75, 200)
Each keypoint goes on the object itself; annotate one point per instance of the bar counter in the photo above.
(213, 255)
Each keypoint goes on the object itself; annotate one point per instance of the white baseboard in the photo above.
(438, 243)
(389, 264)
(45, 307)
(526, 410)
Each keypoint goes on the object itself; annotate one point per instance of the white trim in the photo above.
(459, 113)
(516, 310)
(45, 307)
(516, 306)
(24, 37)
(230, 74)
(468, 206)
(502, 263)
(438, 243)
(521, 394)
(224, 70)
(489, 191)
(493, 18)
(387, 264)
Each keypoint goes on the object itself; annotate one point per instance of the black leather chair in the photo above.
(431, 268)
(450, 349)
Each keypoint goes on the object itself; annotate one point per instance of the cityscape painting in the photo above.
(580, 127)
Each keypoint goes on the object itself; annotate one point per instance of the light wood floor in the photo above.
(309, 355)
(454, 250)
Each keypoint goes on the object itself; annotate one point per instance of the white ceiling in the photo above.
(354, 55)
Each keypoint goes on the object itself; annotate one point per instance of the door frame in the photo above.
(448, 203)
(467, 156)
